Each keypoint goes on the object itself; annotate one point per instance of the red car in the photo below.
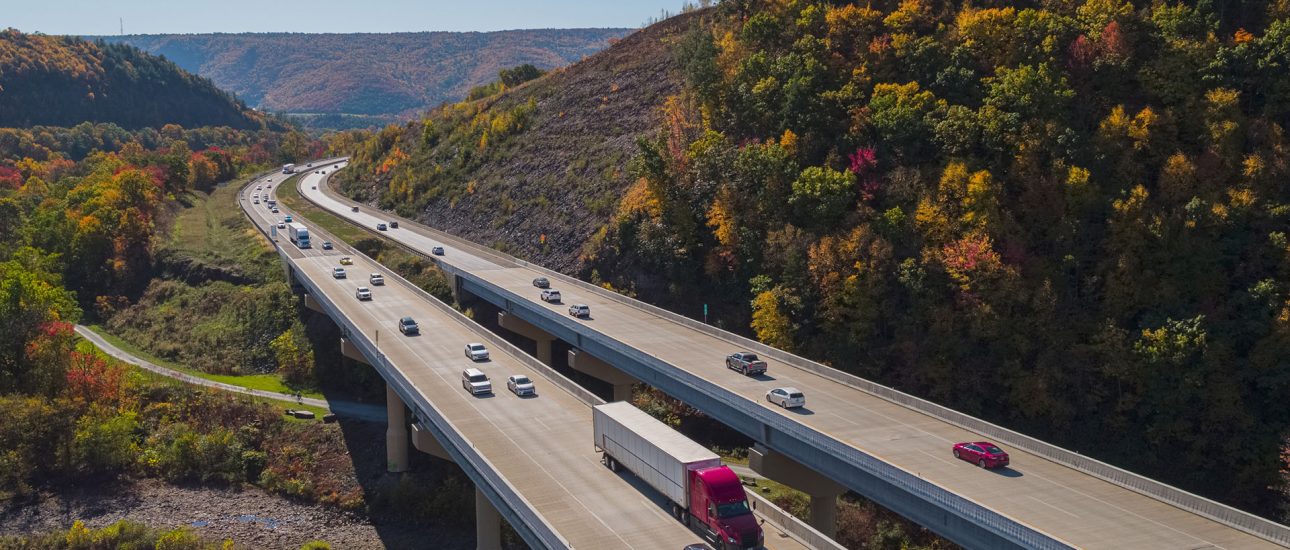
(981, 453)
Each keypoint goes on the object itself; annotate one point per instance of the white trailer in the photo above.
(299, 234)
(659, 455)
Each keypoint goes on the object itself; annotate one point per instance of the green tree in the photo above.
(822, 195)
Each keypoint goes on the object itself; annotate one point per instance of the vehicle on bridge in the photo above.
(380, 227)
(437, 251)
(746, 362)
(700, 489)
(338, 273)
(394, 224)
(552, 296)
(475, 382)
(520, 385)
(297, 233)
(288, 168)
(326, 245)
(376, 279)
(408, 326)
(581, 311)
(982, 453)
(345, 260)
(363, 293)
(541, 282)
(788, 398)
(476, 352)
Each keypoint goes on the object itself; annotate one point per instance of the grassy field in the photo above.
(343, 230)
(265, 382)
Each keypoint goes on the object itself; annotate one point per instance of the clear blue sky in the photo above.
(92, 17)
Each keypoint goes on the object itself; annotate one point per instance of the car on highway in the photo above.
(981, 453)
(520, 385)
(437, 251)
(345, 260)
(475, 382)
(476, 352)
(541, 282)
(353, 209)
(394, 224)
(408, 326)
(363, 293)
(256, 201)
(326, 245)
(338, 273)
(337, 166)
(313, 187)
(788, 398)
(259, 187)
(282, 225)
(376, 279)
(380, 227)
(552, 296)
(580, 310)
(746, 362)
(274, 210)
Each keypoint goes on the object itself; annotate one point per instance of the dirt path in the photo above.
(251, 517)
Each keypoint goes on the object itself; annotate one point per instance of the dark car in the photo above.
(380, 227)
(326, 245)
(541, 282)
(746, 362)
(981, 453)
(408, 326)
(394, 224)
(353, 209)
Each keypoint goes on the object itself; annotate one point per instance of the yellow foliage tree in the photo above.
(771, 322)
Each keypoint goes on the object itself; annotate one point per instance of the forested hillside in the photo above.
(1068, 218)
(367, 74)
(60, 81)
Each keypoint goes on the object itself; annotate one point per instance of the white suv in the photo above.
(475, 382)
(476, 352)
(580, 311)
(552, 296)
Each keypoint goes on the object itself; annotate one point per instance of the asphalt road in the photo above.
(541, 445)
(1070, 505)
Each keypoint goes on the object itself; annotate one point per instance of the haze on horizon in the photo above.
(91, 17)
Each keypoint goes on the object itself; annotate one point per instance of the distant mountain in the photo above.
(64, 81)
(366, 74)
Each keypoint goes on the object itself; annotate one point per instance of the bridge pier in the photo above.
(425, 442)
(585, 363)
(527, 330)
(488, 524)
(824, 492)
(348, 349)
(396, 432)
(313, 304)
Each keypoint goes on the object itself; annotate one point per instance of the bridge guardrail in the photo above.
(1216, 511)
(489, 480)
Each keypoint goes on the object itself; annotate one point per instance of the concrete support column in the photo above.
(396, 432)
(527, 330)
(425, 442)
(348, 349)
(313, 304)
(488, 524)
(585, 363)
(824, 492)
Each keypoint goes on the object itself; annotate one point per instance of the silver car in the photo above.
(338, 273)
(363, 293)
(788, 398)
(476, 352)
(520, 385)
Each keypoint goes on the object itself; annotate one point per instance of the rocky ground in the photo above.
(250, 517)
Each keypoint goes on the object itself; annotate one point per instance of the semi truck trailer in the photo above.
(703, 494)
(299, 234)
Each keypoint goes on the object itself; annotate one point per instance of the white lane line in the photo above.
(1123, 509)
(1058, 508)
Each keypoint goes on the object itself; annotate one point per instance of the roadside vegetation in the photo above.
(125, 534)
(1067, 218)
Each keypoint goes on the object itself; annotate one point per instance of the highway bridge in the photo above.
(531, 459)
(853, 434)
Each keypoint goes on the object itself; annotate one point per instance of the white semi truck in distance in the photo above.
(288, 168)
(299, 234)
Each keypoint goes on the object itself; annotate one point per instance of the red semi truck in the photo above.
(703, 493)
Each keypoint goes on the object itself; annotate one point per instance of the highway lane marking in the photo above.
(1125, 510)
(1058, 508)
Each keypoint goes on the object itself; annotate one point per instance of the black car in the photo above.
(380, 227)
(394, 225)
(541, 282)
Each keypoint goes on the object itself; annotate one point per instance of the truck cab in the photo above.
(719, 509)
